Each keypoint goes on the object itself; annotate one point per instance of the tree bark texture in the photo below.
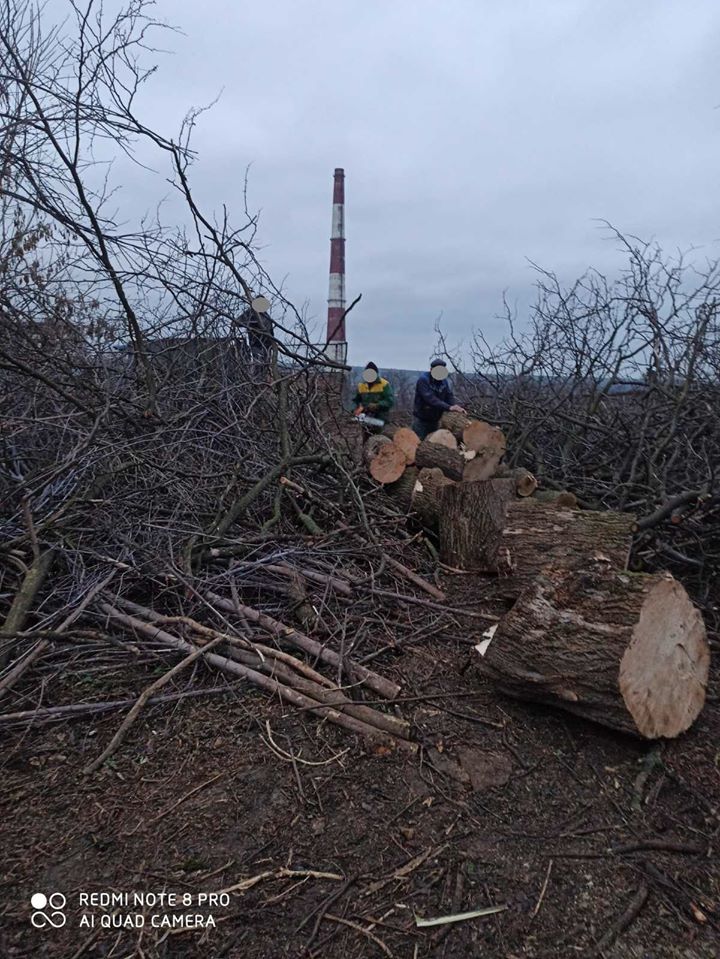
(626, 650)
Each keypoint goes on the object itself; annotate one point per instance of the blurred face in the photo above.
(439, 373)
(369, 376)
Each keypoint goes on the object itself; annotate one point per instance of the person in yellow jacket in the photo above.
(374, 394)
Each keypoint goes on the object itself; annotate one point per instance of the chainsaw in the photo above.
(367, 420)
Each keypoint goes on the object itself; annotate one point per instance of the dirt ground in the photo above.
(334, 847)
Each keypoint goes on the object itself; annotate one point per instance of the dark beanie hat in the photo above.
(371, 366)
(437, 362)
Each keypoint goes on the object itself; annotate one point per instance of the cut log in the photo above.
(481, 436)
(426, 495)
(408, 441)
(560, 499)
(483, 466)
(525, 482)
(444, 438)
(373, 446)
(430, 455)
(626, 650)
(489, 445)
(402, 490)
(471, 523)
(389, 464)
(535, 534)
(456, 423)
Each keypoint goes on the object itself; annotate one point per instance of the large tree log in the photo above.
(431, 455)
(483, 466)
(402, 490)
(388, 465)
(408, 441)
(373, 446)
(626, 650)
(456, 423)
(537, 533)
(471, 523)
(489, 446)
(426, 495)
(483, 437)
(444, 438)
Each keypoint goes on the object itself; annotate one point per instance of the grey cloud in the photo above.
(474, 135)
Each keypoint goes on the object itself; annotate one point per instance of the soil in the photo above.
(559, 822)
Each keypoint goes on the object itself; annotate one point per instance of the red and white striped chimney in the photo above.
(336, 295)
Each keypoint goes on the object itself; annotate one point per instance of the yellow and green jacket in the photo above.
(378, 393)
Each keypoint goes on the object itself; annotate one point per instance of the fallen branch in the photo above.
(370, 679)
(117, 739)
(227, 664)
(623, 922)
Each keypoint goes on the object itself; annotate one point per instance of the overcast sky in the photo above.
(475, 136)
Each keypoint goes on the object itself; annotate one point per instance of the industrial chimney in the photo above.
(337, 343)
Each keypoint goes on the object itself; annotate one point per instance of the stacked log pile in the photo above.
(627, 650)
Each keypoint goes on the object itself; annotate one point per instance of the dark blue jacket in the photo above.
(432, 398)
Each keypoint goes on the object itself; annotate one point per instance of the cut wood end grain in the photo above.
(388, 465)
(443, 438)
(664, 671)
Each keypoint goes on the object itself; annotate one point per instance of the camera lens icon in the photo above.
(55, 917)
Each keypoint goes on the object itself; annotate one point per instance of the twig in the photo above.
(246, 884)
(536, 910)
(142, 700)
(362, 930)
(292, 758)
(621, 924)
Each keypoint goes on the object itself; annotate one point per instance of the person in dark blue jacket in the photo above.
(433, 397)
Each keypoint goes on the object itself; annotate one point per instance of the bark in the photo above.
(431, 455)
(401, 491)
(24, 599)
(626, 650)
(456, 423)
(471, 524)
(426, 495)
(535, 534)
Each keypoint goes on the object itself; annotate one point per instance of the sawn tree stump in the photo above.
(426, 495)
(471, 523)
(626, 650)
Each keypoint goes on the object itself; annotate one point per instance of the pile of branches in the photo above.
(612, 391)
(172, 481)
